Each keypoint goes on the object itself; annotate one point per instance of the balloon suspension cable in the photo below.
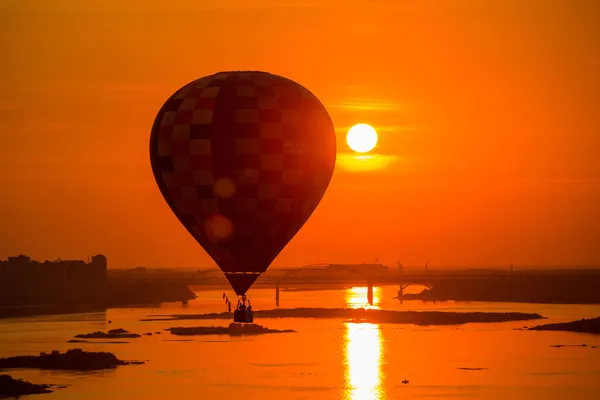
(227, 302)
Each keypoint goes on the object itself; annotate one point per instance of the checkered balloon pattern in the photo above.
(243, 159)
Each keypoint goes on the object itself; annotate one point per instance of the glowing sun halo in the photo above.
(362, 138)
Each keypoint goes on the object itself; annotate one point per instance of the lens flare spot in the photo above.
(224, 188)
(218, 228)
(251, 173)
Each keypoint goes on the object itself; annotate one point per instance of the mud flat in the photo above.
(366, 315)
(96, 341)
(74, 359)
(591, 325)
(233, 329)
(111, 334)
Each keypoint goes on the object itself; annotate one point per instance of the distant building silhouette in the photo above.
(26, 282)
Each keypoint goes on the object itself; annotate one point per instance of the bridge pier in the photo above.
(277, 293)
(401, 293)
(370, 293)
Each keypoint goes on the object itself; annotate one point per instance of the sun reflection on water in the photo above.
(363, 351)
(358, 297)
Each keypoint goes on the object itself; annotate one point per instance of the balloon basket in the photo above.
(243, 316)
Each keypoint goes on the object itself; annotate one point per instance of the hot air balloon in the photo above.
(243, 159)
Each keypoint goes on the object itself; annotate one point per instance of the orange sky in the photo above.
(489, 111)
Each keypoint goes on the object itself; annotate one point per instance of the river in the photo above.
(324, 359)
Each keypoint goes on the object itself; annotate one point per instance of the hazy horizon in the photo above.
(392, 266)
(487, 114)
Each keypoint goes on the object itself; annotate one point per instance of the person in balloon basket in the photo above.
(242, 305)
(243, 313)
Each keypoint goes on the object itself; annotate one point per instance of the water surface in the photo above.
(324, 359)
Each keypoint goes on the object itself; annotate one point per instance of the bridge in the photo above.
(351, 274)
(462, 281)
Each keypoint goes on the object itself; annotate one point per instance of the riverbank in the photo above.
(47, 309)
(120, 293)
(591, 325)
(543, 290)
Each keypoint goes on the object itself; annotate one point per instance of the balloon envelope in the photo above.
(243, 159)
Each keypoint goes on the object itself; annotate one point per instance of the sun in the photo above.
(362, 138)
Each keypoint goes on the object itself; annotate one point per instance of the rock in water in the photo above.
(11, 387)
